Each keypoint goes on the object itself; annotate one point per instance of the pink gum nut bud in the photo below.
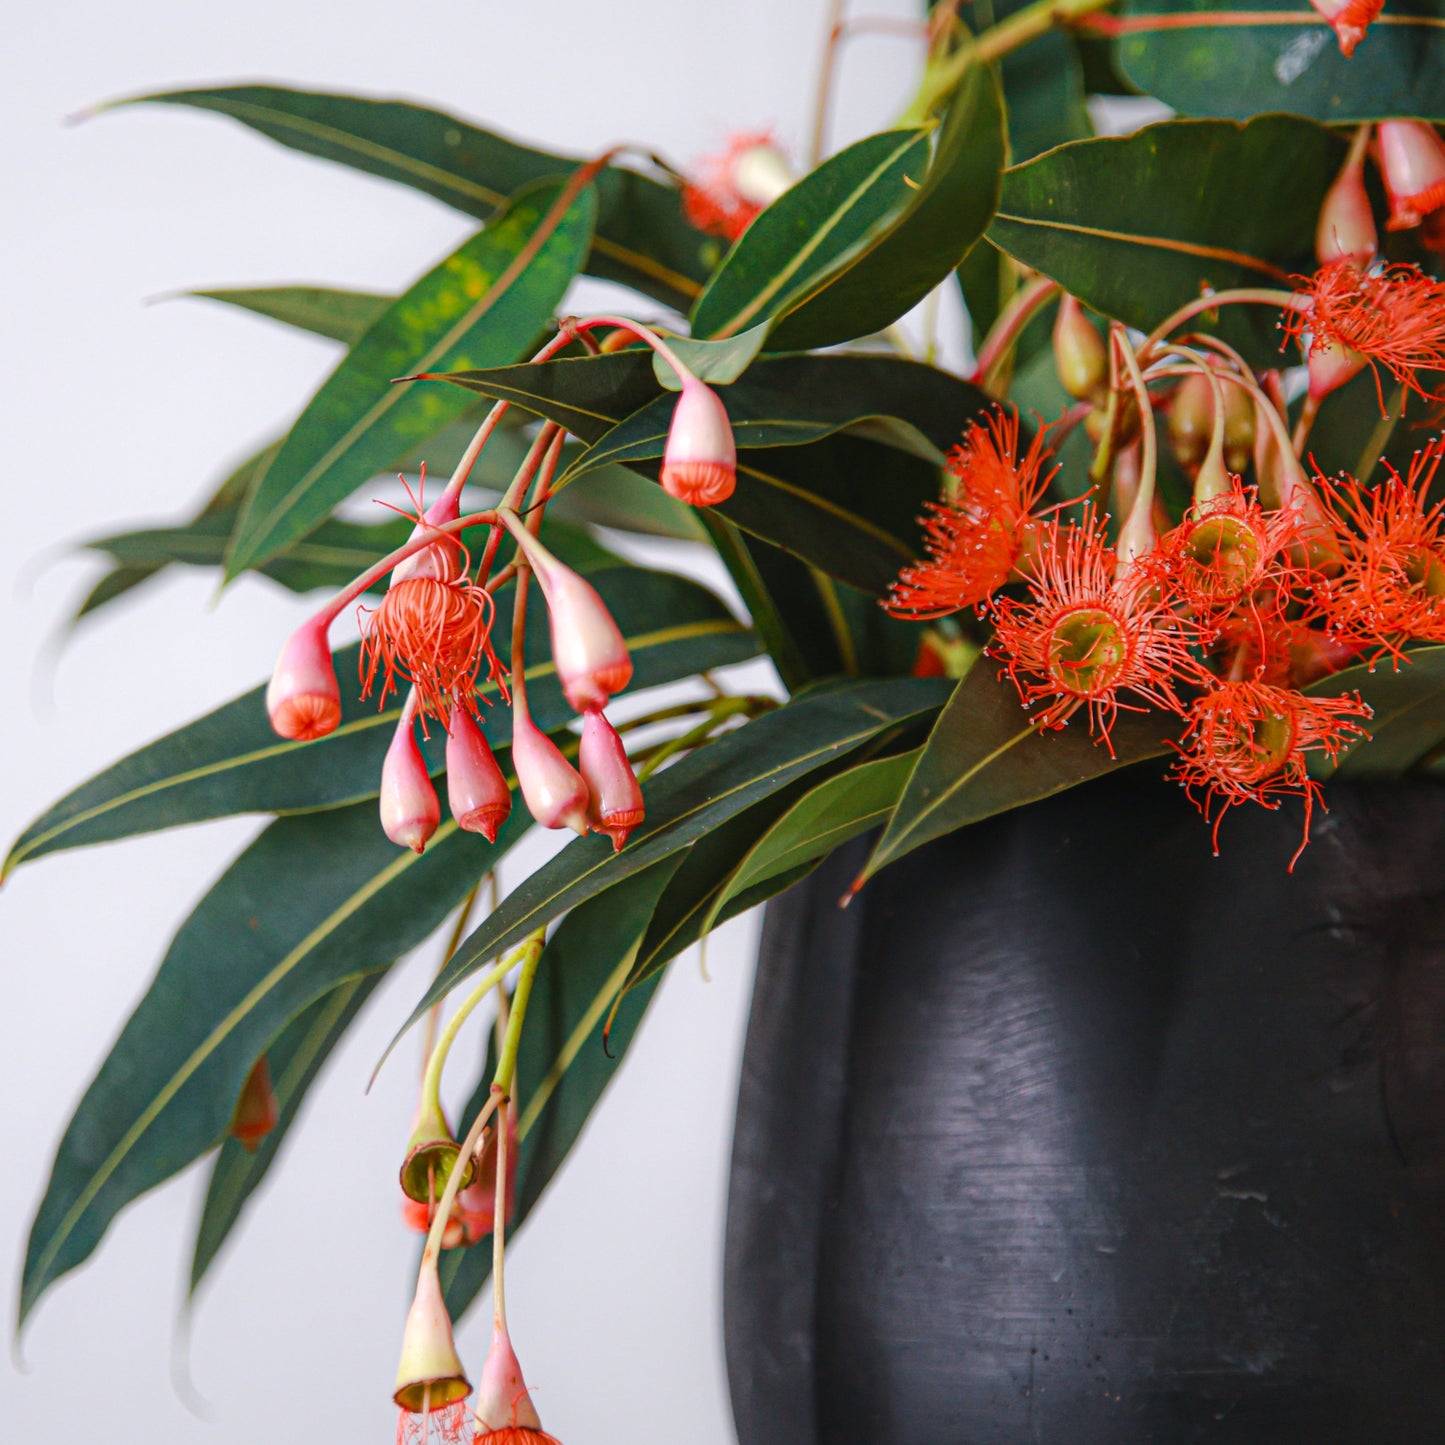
(1412, 161)
(700, 464)
(1079, 354)
(409, 808)
(430, 1375)
(1346, 227)
(587, 646)
(477, 793)
(502, 1400)
(1331, 366)
(552, 788)
(302, 698)
(1349, 19)
(616, 806)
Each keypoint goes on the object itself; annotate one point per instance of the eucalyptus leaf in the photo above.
(322, 310)
(1409, 721)
(479, 307)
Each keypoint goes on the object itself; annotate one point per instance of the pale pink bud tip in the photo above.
(477, 792)
(502, 1399)
(410, 811)
(552, 788)
(1346, 227)
(615, 806)
(302, 698)
(1412, 160)
(699, 465)
(587, 645)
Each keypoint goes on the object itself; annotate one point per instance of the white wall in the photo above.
(116, 414)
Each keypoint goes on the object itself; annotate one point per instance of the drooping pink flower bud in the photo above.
(503, 1401)
(302, 698)
(615, 805)
(1080, 356)
(410, 811)
(429, 1375)
(587, 647)
(1346, 227)
(1412, 161)
(700, 463)
(477, 792)
(552, 788)
(1349, 19)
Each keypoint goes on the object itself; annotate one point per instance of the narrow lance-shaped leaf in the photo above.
(230, 761)
(985, 755)
(315, 901)
(1204, 57)
(562, 1068)
(944, 216)
(686, 801)
(1138, 225)
(295, 1058)
(321, 310)
(643, 240)
(810, 228)
(478, 308)
(1409, 721)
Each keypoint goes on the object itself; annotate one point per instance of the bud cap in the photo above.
(303, 700)
(699, 465)
(410, 811)
(477, 792)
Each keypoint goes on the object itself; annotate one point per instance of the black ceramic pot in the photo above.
(1067, 1131)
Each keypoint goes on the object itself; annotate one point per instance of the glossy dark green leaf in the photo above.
(295, 1058)
(700, 793)
(984, 756)
(323, 311)
(1043, 86)
(616, 497)
(1138, 225)
(1204, 57)
(904, 260)
(719, 362)
(315, 901)
(1409, 721)
(230, 761)
(479, 307)
(825, 817)
(562, 1068)
(643, 238)
(792, 400)
(781, 258)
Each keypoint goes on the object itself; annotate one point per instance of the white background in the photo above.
(115, 414)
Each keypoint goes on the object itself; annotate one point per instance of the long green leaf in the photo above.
(478, 308)
(786, 251)
(643, 238)
(1204, 57)
(562, 1068)
(1409, 721)
(295, 1058)
(700, 793)
(322, 310)
(1137, 225)
(944, 216)
(230, 761)
(315, 901)
(985, 756)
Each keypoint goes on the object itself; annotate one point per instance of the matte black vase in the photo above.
(1067, 1131)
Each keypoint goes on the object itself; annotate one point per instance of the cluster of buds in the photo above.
(1224, 616)
(433, 633)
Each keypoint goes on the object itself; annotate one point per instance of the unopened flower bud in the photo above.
(1346, 227)
(477, 793)
(1412, 161)
(502, 1399)
(615, 805)
(588, 649)
(699, 465)
(1191, 420)
(302, 698)
(1079, 353)
(552, 788)
(1349, 19)
(410, 811)
(257, 1110)
(429, 1376)
(1238, 428)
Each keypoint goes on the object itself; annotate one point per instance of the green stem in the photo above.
(1262, 295)
(531, 956)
